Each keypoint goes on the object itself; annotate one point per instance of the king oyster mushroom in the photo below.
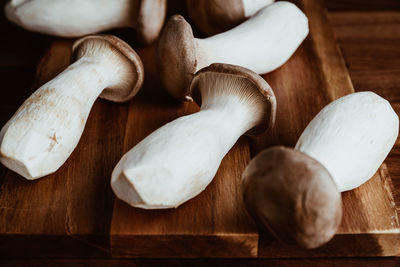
(295, 193)
(75, 18)
(215, 16)
(262, 44)
(44, 131)
(176, 162)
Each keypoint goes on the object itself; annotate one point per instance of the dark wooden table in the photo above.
(368, 33)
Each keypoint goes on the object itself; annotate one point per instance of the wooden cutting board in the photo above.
(73, 213)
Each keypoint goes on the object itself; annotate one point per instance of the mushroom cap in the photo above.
(293, 196)
(131, 84)
(215, 16)
(150, 19)
(258, 84)
(176, 56)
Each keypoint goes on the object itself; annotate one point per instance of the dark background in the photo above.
(368, 33)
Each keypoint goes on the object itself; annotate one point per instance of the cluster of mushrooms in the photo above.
(294, 193)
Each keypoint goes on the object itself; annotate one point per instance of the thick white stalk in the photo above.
(44, 131)
(261, 44)
(351, 137)
(177, 161)
(71, 18)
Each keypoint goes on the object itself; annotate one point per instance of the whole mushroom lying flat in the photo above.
(75, 18)
(44, 131)
(215, 16)
(261, 44)
(177, 161)
(296, 193)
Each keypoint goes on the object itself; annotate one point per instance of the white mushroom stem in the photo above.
(261, 44)
(351, 137)
(44, 131)
(177, 161)
(216, 16)
(71, 18)
(252, 6)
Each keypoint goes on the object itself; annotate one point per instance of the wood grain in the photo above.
(369, 214)
(371, 46)
(73, 206)
(207, 219)
(73, 213)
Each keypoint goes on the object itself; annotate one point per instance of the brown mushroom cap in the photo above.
(150, 19)
(215, 16)
(134, 77)
(176, 56)
(293, 196)
(260, 89)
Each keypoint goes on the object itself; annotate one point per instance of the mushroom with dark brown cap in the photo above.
(296, 193)
(176, 162)
(261, 44)
(216, 16)
(75, 18)
(44, 131)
